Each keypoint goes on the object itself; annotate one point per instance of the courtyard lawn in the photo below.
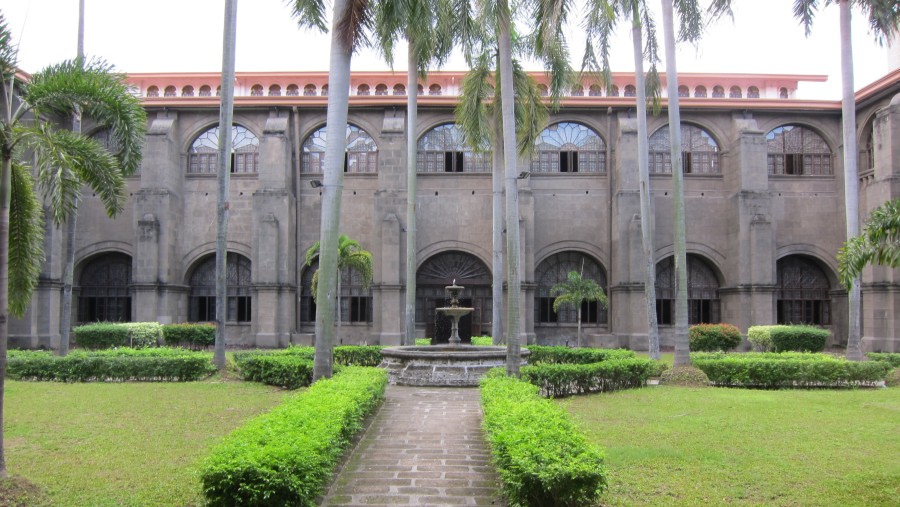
(718, 446)
(123, 444)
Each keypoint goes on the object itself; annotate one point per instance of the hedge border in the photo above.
(559, 380)
(772, 373)
(116, 365)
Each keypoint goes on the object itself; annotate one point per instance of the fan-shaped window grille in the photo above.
(421, 90)
(399, 89)
(555, 270)
(783, 93)
(613, 91)
(104, 293)
(795, 150)
(324, 91)
(569, 148)
(355, 300)
(202, 301)
(802, 296)
(204, 154)
(441, 150)
(699, 151)
(700, 92)
(361, 155)
(466, 270)
(703, 292)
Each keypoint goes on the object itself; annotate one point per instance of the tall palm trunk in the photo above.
(412, 115)
(226, 112)
(851, 180)
(65, 320)
(5, 193)
(682, 346)
(644, 181)
(335, 145)
(497, 238)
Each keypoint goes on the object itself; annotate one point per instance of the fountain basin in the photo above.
(442, 365)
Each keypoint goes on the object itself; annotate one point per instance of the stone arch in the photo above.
(443, 269)
(569, 147)
(360, 156)
(441, 150)
(203, 153)
(202, 281)
(199, 252)
(704, 282)
(700, 150)
(103, 287)
(815, 156)
(802, 291)
(554, 269)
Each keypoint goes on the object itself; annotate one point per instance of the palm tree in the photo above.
(428, 31)
(575, 291)
(884, 19)
(226, 112)
(350, 19)
(55, 91)
(350, 255)
(879, 243)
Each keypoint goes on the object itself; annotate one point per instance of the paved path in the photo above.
(424, 447)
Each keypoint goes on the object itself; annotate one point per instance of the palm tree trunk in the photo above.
(412, 99)
(5, 192)
(851, 180)
(340, 312)
(335, 146)
(226, 111)
(578, 334)
(644, 181)
(682, 346)
(497, 240)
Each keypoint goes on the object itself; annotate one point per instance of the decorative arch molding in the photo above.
(833, 142)
(192, 258)
(717, 134)
(439, 247)
(825, 259)
(588, 121)
(710, 255)
(84, 254)
(357, 122)
(598, 254)
(198, 127)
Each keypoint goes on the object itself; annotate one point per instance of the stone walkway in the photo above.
(424, 447)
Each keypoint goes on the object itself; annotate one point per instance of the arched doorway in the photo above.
(440, 271)
(802, 296)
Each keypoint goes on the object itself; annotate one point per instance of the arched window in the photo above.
(441, 150)
(684, 91)
(543, 90)
(630, 91)
(577, 90)
(703, 292)
(204, 154)
(735, 92)
(434, 89)
(399, 89)
(355, 301)
(153, 91)
(613, 91)
(104, 293)
(381, 89)
(202, 301)
(421, 90)
(256, 90)
(718, 92)
(362, 89)
(753, 92)
(275, 90)
(294, 91)
(699, 151)
(868, 160)
(170, 91)
(569, 148)
(795, 150)
(187, 91)
(361, 155)
(309, 90)
(554, 270)
(802, 296)
(783, 93)
(205, 91)
(595, 91)
(442, 270)
(700, 92)
(324, 89)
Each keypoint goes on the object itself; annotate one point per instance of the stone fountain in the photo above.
(453, 364)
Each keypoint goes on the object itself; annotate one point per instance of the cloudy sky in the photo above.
(186, 36)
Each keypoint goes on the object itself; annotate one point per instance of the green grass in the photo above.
(122, 444)
(716, 446)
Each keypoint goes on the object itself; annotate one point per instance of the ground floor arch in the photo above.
(441, 270)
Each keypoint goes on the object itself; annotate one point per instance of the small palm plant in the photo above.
(575, 291)
(350, 255)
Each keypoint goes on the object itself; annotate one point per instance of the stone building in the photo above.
(764, 193)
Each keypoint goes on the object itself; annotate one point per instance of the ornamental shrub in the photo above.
(114, 365)
(760, 338)
(799, 338)
(482, 341)
(541, 455)
(286, 456)
(282, 370)
(893, 378)
(565, 355)
(892, 358)
(813, 370)
(686, 376)
(558, 380)
(104, 335)
(190, 335)
(710, 337)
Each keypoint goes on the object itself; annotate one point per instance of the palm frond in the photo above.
(690, 20)
(879, 243)
(353, 24)
(472, 109)
(310, 14)
(530, 110)
(805, 12)
(884, 18)
(26, 239)
(8, 52)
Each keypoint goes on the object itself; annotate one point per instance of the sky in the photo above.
(186, 36)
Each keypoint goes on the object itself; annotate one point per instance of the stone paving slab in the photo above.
(423, 447)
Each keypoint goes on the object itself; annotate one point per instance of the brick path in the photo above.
(424, 447)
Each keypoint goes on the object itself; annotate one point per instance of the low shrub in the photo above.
(189, 335)
(542, 457)
(558, 380)
(286, 456)
(892, 358)
(893, 378)
(104, 335)
(482, 341)
(710, 337)
(358, 355)
(760, 338)
(115, 365)
(288, 371)
(423, 342)
(566, 355)
(799, 338)
(817, 370)
(685, 376)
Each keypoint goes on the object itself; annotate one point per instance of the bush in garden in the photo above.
(685, 376)
(557, 380)
(892, 358)
(711, 337)
(104, 335)
(189, 335)
(566, 355)
(893, 378)
(793, 370)
(799, 338)
(761, 338)
(116, 365)
(288, 371)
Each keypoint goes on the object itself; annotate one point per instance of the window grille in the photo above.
(718, 92)
(577, 91)
(440, 271)
(569, 148)
(783, 93)
(324, 91)
(699, 151)
(170, 91)
(441, 149)
(556, 270)
(362, 89)
(361, 155)
(294, 91)
(700, 92)
(153, 91)
(204, 154)
(275, 90)
(753, 92)
(381, 89)
(802, 296)
(421, 90)
(613, 91)
(187, 91)
(205, 91)
(703, 292)
(256, 90)
(795, 150)
(399, 89)
(735, 92)
(104, 293)
(310, 90)
(355, 301)
(202, 300)
(543, 90)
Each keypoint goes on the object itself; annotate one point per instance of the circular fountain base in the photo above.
(442, 365)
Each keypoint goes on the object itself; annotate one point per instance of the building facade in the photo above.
(764, 193)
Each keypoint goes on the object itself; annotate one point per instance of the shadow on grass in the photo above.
(18, 492)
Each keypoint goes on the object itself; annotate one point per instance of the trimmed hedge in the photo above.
(892, 358)
(144, 365)
(189, 335)
(542, 457)
(565, 355)
(788, 338)
(292, 367)
(558, 380)
(104, 335)
(711, 337)
(817, 370)
(286, 456)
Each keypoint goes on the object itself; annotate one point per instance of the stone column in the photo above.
(39, 326)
